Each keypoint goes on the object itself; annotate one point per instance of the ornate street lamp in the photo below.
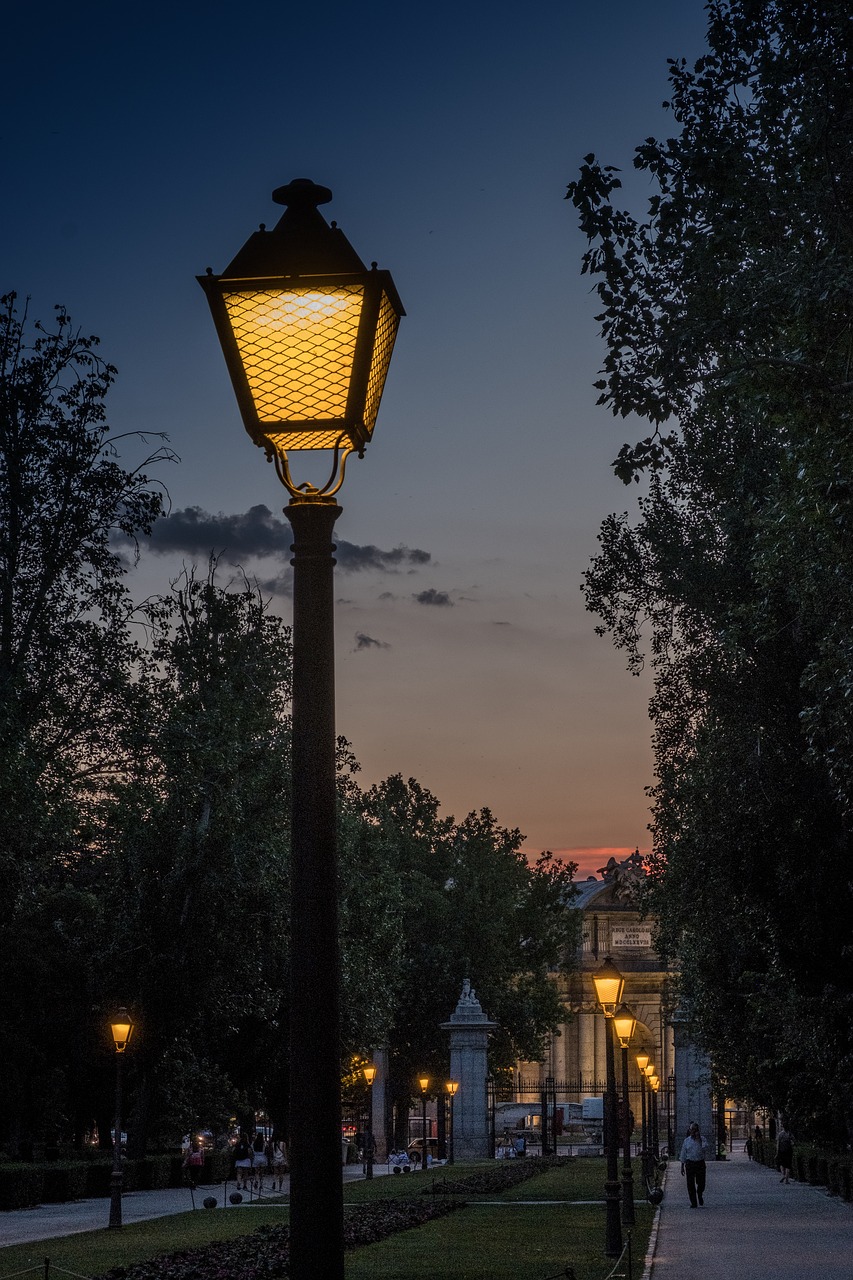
(307, 332)
(121, 1027)
(369, 1073)
(624, 1023)
(642, 1063)
(654, 1085)
(452, 1087)
(609, 985)
(423, 1081)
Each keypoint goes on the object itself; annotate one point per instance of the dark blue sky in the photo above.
(140, 145)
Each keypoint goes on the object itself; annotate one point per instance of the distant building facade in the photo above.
(575, 1059)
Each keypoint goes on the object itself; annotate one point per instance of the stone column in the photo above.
(379, 1058)
(693, 1100)
(469, 1035)
(586, 1045)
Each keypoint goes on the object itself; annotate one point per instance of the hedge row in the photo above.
(817, 1168)
(24, 1184)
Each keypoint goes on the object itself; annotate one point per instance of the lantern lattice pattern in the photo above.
(297, 351)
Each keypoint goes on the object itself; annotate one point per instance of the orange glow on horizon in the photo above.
(590, 858)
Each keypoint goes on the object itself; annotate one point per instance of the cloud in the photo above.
(257, 532)
(352, 558)
(431, 596)
(367, 642)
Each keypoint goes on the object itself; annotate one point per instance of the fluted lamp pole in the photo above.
(369, 1073)
(423, 1081)
(307, 332)
(654, 1083)
(121, 1027)
(609, 985)
(452, 1087)
(642, 1063)
(624, 1023)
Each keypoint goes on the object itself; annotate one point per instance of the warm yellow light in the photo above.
(650, 1071)
(423, 1081)
(609, 985)
(122, 1028)
(654, 1081)
(369, 1072)
(297, 349)
(452, 1087)
(643, 1061)
(624, 1022)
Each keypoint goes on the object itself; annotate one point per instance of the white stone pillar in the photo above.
(469, 1035)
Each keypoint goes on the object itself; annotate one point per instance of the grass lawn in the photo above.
(515, 1237)
(90, 1253)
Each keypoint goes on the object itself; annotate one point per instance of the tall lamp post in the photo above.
(609, 985)
(307, 333)
(654, 1082)
(452, 1087)
(624, 1023)
(369, 1073)
(642, 1063)
(423, 1081)
(121, 1027)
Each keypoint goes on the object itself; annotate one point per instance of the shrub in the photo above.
(64, 1180)
(98, 1178)
(20, 1185)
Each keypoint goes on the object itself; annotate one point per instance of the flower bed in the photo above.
(264, 1253)
(507, 1174)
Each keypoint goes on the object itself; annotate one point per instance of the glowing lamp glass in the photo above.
(369, 1072)
(121, 1027)
(624, 1022)
(643, 1061)
(423, 1081)
(609, 985)
(452, 1087)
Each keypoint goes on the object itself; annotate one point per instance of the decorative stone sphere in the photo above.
(209, 1202)
(235, 1197)
(655, 1195)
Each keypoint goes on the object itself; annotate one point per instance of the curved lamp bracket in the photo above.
(307, 492)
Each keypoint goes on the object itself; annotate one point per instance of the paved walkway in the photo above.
(47, 1221)
(752, 1228)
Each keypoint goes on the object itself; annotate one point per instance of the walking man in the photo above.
(693, 1165)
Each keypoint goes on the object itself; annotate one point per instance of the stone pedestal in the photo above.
(469, 1030)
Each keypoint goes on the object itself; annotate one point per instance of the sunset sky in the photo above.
(141, 144)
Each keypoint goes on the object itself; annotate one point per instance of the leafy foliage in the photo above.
(727, 311)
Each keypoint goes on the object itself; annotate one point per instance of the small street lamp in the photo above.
(369, 1073)
(121, 1027)
(624, 1023)
(423, 1081)
(307, 333)
(609, 985)
(452, 1087)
